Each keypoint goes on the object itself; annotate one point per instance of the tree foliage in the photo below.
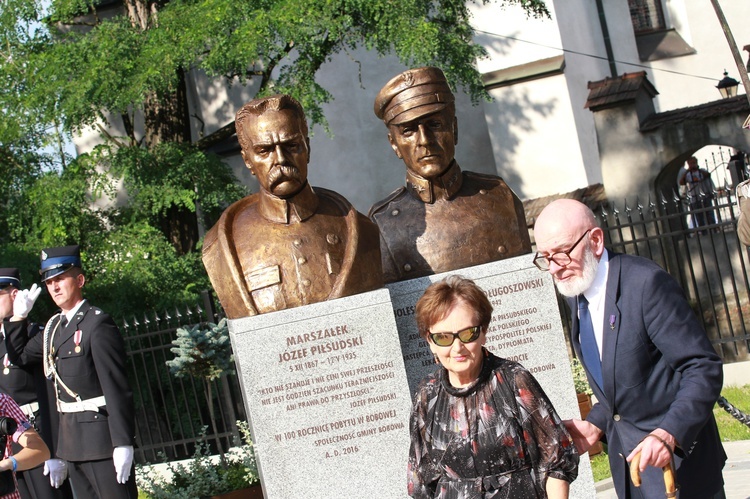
(202, 351)
(87, 61)
(122, 65)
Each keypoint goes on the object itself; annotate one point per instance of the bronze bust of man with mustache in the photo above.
(444, 219)
(289, 244)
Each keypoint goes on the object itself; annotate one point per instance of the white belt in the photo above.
(84, 405)
(30, 409)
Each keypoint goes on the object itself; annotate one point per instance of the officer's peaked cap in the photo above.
(10, 277)
(59, 259)
(412, 94)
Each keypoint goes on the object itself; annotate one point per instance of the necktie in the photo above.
(589, 350)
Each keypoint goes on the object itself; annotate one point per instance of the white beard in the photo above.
(575, 286)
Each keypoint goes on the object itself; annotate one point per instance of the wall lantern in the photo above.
(727, 86)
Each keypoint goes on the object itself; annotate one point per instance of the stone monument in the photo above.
(327, 397)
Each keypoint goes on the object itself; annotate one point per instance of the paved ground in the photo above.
(736, 473)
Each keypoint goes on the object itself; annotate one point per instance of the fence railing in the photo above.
(707, 260)
(171, 412)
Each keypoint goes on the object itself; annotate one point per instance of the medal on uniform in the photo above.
(6, 364)
(77, 339)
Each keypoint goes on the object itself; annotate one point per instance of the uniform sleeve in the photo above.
(22, 350)
(550, 444)
(422, 474)
(108, 351)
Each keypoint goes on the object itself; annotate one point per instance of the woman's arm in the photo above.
(551, 444)
(34, 452)
(557, 489)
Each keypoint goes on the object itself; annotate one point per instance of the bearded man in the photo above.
(648, 360)
(289, 244)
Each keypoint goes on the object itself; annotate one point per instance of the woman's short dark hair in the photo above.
(438, 299)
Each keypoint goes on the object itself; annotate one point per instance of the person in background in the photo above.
(699, 190)
(648, 360)
(29, 389)
(743, 220)
(481, 426)
(83, 352)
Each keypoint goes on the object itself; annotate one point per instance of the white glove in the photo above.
(57, 469)
(24, 301)
(123, 459)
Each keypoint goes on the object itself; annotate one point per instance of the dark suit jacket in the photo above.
(97, 369)
(659, 371)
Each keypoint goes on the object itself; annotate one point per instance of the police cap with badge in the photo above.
(58, 260)
(412, 94)
(10, 277)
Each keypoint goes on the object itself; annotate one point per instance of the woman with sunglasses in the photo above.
(481, 426)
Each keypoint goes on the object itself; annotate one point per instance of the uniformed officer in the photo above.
(289, 244)
(29, 389)
(83, 354)
(444, 219)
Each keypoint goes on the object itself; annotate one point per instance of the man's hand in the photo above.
(24, 301)
(656, 449)
(584, 434)
(123, 459)
(57, 469)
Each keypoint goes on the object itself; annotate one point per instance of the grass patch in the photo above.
(730, 429)
(600, 466)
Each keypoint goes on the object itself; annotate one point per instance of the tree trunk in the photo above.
(180, 227)
(167, 117)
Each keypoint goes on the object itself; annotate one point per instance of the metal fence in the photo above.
(707, 260)
(171, 412)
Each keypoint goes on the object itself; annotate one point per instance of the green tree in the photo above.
(81, 62)
(203, 352)
(121, 66)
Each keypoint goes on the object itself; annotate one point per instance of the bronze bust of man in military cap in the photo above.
(444, 219)
(289, 244)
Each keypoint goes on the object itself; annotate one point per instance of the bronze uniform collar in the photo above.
(443, 187)
(295, 209)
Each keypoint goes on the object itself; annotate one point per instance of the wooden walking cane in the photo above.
(669, 483)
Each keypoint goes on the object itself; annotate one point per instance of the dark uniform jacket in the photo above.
(27, 385)
(458, 220)
(267, 254)
(659, 370)
(94, 367)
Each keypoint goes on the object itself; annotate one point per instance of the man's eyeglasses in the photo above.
(561, 258)
(465, 335)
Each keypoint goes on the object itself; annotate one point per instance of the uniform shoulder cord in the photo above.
(49, 362)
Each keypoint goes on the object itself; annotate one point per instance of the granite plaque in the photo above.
(525, 327)
(327, 397)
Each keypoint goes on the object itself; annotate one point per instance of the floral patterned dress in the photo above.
(497, 438)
